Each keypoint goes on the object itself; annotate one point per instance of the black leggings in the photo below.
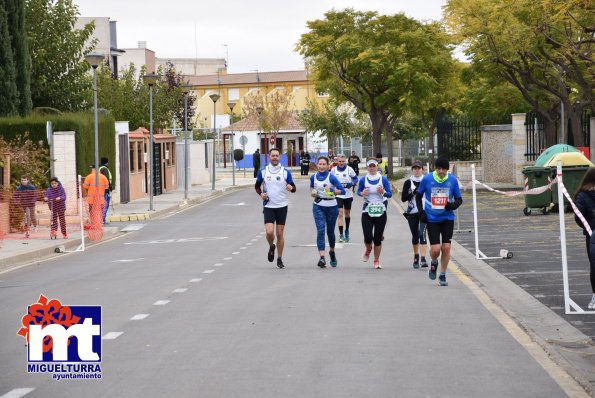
(591, 254)
(418, 230)
(373, 228)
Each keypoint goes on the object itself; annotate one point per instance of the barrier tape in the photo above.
(532, 191)
(574, 208)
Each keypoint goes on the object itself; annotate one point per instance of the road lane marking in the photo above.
(209, 271)
(181, 290)
(139, 317)
(248, 244)
(195, 280)
(132, 227)
(560, 376)
(235, 253)
(218, 265)
(129, 260)
(112, 335)
(243, 248)
(227, 258)
(179, 240)
(253, 240)
(17, 393)
(161, 302)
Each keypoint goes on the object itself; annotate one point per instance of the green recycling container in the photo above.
(537, 177)
(571, 177)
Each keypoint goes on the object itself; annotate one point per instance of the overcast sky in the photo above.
(260, 34)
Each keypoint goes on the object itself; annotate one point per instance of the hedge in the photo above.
(83, 124)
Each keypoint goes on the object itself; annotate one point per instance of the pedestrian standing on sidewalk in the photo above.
(348, 179)
(375, 189)
(256, 162)
(324, 188)
(272, 184)
(24, 198)
(103, 169)
(585, 202)
(304, 163)
(55, 196)
(95, 195)
(412, 214)
(440, 194)
(382, 164)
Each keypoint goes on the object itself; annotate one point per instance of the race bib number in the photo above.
(376, 209)
(439, 198)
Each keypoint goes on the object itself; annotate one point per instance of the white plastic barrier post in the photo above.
(475, 213)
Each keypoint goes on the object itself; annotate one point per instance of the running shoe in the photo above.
(377, 264)
(416, 263)
(65, 236)
(433, 268)
(322, 263)
(271, 255)
(366, 255)
(280, 263)
(423, 263)
(591, 305)
(346, 237)
(333, 259)
(342, 239)
(442, 280)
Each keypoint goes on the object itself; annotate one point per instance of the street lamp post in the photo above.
(95, 59)
(233, 163)
(214, 98)
(151, 79)
(186, 89)
(259, 110)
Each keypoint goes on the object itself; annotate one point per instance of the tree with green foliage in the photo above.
(59, 75)
(382, 64)
(22, 62)
(8, 87)
(544, 48)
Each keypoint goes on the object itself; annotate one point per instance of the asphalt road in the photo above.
(230, 324)
(536, 265)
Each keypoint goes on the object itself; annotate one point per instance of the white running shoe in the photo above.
(366, 255)
(377, 264)
(591, 305)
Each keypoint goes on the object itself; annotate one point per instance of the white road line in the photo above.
(248, 244)
(112, 335)
(181, 290)
(227, 258)
(195, 280)
(218, 264)
(161, 302)
(209, 271)
(130, 260)
(139, 317)
(17, 393)
(253, 240)
(235, 253)
(243, 248)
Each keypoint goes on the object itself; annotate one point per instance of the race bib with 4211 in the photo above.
(439, 197)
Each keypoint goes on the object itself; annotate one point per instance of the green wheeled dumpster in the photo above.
(536, 177)
(574, 167)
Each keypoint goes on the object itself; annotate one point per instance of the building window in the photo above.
(233, 94)
(172, 154)
(132, 145)
(140, 155)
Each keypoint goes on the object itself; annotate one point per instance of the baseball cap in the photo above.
(417, 163)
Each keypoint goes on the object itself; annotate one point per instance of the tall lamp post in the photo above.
(151, 79)
(233, 163)
(259, 110)
(95, 59)
(186, 89)
(214, 98)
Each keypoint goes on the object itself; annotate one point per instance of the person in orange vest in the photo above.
(95, 194)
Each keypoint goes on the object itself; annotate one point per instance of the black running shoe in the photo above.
(442, 280)
(433, 268)
(322, 263)
(424, 263)
(271, 255)
(280, 263)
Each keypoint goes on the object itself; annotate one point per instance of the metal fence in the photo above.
(459, 138)
(535, 136)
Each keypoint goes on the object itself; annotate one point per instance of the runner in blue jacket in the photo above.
(441, 194)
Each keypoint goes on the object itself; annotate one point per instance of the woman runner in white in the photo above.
(374, 188)
(324, 187)
(347, 177)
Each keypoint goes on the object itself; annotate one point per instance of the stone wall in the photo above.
(496, 153)
(462, 170)
(64, 151)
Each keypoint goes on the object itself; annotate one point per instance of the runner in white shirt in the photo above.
(347, 177)
(272, 184)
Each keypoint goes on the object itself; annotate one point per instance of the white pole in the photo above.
(563, 237)
(475, 213)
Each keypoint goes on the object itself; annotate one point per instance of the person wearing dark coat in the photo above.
(256, 162)
(24, 198)
(585, 202)
(55, 196)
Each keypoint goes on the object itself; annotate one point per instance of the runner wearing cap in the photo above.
(347, 177)
(417, 227)
(441, 195)
(374, 188)
(324, 188)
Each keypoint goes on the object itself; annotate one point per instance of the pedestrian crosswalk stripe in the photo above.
(17, 393)
(112, 335)
(139, 317)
